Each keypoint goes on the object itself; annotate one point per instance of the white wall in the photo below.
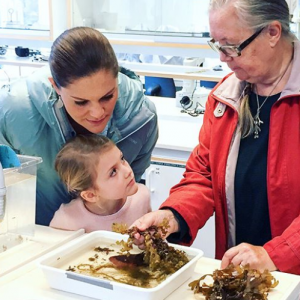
(187, 16)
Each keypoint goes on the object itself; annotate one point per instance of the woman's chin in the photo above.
(95, 126)
(241, 75)
(95, 129)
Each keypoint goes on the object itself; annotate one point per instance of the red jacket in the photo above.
(206, 187)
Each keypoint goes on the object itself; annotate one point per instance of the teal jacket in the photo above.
(33, 123)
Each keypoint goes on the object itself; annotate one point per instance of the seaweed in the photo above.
(157, 250)
(144, 269)
(235, 282)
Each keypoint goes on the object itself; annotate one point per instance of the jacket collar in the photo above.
(230, 91)
(129, 106)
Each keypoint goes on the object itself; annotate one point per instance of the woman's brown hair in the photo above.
(79, 52)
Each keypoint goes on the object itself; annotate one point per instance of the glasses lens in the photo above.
(230, 51)
(213, 46)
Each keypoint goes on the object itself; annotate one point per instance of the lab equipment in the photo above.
(8, 159)
(18, 195)
(189, 88)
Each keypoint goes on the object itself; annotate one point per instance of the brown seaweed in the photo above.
(157, 250)
(144, 269)
(235, 282)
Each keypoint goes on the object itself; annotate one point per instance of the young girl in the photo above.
(94, 169)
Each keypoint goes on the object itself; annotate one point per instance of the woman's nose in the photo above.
(96, 111)
(224, 57)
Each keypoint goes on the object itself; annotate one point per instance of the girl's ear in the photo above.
(88, 196)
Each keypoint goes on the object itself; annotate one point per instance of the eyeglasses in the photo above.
(233, 51)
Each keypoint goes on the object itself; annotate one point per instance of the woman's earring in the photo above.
(60, 103)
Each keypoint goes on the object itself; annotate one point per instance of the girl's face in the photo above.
(90, 100)
(115, 180)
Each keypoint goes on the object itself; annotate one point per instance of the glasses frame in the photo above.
(237, 49)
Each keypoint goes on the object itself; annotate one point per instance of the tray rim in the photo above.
(197, 253)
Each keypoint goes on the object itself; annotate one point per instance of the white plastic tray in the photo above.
(89, 286)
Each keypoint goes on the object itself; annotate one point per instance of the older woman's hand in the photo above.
(257, 257)
(154, 218)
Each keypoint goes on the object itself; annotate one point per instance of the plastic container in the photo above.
(55, 264)
(19, 218)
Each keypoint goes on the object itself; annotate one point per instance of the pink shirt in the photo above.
(74, 215)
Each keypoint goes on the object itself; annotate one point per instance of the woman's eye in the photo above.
(81, 103)
(107, 97)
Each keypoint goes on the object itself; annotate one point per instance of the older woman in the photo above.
(84, 93)
(246, 166)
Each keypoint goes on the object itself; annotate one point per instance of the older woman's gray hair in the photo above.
(258, 14)
(255, 15)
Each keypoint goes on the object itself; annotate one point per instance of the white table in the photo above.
(32, 285)
(287, 289)
(12, 59)
(44, 240)
(175, 71)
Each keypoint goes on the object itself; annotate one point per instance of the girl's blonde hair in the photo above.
(76, 162)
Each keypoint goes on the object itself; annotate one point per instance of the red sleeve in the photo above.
(284, 250)
(192, 198)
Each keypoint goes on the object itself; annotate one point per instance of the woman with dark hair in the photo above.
(83, 92)
(245, 169)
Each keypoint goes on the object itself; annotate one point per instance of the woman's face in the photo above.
(90, 100)
(115, 178)
(255, 59)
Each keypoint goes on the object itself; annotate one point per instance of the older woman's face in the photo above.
(90, 100)
(226, 29)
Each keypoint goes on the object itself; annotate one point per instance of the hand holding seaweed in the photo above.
(156, 248)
